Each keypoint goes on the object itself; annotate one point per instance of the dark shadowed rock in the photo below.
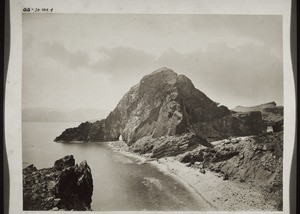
(193, 156)
(163, 103)
(64, 186)
(29, 169)
(202, 171)
(64, 162)
(272, 114)
(238, 124)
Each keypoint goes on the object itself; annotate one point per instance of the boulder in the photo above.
(194, 156)
(202, 171)
(64, 162)
(64, 186)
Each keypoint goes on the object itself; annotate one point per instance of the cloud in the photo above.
(246, 61)
(247, 71)
(58, 52)
(123, 61)
(120, 62)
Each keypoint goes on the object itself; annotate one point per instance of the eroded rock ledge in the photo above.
(65, 186)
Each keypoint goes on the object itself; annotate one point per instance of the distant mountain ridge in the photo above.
(61, 115)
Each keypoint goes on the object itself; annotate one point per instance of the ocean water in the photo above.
(120, 183)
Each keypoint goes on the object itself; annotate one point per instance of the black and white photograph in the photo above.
(152, 111)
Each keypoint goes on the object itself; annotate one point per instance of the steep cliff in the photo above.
(163, 103)
(65, 186)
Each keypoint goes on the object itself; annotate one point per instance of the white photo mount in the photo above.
(13, 96)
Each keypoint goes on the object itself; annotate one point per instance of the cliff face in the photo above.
(272, 114)
(237, 124)
(163, 103)
(65, 186)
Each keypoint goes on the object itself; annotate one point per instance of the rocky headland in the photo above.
(167, 104)
(65, 186)
(163, 103)
(166, 116)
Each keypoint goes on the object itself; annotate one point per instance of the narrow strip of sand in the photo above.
(209, 188)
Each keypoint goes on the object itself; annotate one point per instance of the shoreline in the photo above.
(209, 188)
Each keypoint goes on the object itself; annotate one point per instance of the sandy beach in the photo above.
(218, 194)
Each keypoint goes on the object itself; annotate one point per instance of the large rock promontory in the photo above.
(65, 186)
(163, 103)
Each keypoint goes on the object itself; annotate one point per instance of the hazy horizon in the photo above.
(89, 61)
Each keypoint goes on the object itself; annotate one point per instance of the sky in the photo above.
(77, 61)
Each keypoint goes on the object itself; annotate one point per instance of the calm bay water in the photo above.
(120, 183)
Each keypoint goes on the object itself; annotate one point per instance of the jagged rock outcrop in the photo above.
(163, 103)
(256, 159)
(65, 186)
(168, 145)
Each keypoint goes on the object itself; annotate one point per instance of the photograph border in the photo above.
(14, 81)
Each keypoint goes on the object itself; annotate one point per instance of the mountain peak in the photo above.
(162, 69)
(163, 103)
(163, 74)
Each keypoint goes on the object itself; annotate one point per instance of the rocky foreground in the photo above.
(65, 186)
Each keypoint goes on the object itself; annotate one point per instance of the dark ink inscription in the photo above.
(38, 10)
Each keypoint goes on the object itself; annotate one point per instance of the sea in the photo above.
(120, 182)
